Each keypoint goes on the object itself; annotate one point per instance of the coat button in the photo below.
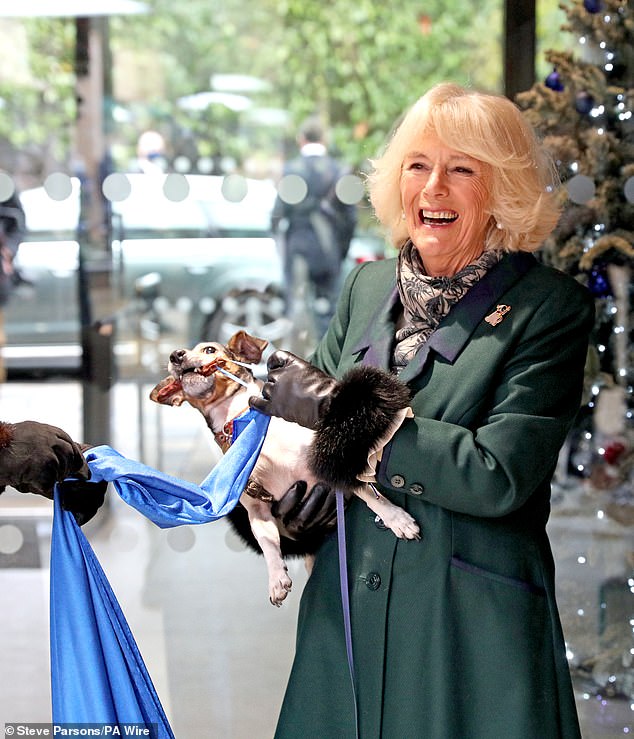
(416, 488)
(373, 581)
(398, 481)
(379, 523)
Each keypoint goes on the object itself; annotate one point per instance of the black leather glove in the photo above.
(83, 499)
(304, 512)
(34, 456)
(305, 518)
(295, 390)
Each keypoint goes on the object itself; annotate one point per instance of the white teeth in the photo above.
(443, 215)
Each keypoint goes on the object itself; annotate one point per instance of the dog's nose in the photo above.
(177, 356)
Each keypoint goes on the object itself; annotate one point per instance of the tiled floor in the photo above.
(218, 653)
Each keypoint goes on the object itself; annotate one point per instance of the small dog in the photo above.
(213, 379)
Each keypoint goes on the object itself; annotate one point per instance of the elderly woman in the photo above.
(456, 636)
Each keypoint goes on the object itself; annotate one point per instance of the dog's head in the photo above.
(194, 374)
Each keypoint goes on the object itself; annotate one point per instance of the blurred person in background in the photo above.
(12, 230)
(151, 158)
(317, 229)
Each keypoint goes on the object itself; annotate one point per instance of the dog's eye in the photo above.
(209, 350)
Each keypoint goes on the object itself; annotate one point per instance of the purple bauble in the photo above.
(592, 6)
(554, 81)
(584, 102)
(598, 283)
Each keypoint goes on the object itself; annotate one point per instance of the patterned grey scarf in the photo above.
(426, 300)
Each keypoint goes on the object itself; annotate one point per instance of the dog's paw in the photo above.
(402, 524)
(279, 587)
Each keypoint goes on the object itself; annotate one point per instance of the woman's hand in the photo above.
(295, 390)
(34, 456)
(306, 511)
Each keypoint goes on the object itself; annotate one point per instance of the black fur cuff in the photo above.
(360, 414)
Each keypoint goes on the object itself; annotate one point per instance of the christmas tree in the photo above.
(583, 111)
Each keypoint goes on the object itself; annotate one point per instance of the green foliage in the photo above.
(361, 65)
(358, 65)
(37, 113)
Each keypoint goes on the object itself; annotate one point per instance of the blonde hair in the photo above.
(489, 128)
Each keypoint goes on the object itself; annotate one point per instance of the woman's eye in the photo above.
(463, 170)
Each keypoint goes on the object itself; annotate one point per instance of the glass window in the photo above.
(186, 118)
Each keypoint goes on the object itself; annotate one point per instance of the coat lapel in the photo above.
(376, 346)
(456, 327)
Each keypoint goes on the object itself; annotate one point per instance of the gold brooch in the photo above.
(498, 315)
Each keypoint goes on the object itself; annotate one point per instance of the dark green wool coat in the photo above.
(456, 636)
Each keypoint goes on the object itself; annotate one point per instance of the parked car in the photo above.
(210, 253)
(191, 252)
(205, 252)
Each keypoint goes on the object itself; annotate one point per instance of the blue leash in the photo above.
(345, 600)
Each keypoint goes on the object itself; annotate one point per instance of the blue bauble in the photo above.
(598, 282)
(584, 102)
(554, 81)
(592, 6)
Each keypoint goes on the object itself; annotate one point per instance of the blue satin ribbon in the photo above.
(97, 672)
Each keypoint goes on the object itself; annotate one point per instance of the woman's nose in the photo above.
(436, 182)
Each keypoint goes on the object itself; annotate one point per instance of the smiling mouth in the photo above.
(437, 217)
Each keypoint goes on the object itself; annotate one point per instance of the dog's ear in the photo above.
(247, 348)
(168, 392)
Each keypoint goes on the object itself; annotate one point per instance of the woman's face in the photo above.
(445, 199)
